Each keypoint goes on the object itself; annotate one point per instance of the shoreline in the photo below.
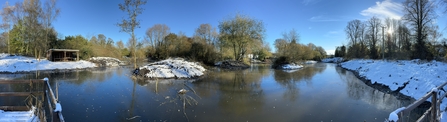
(384, 88)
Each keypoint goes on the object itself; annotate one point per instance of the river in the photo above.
(318, 92)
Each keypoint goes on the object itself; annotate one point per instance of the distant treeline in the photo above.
(28, 31)
(414, 36)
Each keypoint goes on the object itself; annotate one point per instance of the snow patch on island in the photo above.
(12, 63)
(106, 61)
(291, 66)
(310, 62)
(171, 68)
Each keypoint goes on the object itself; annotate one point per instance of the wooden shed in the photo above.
(62, 55)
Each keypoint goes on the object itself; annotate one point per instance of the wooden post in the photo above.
(434, 113)
(77, 55)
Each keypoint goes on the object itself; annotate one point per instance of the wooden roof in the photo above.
(66, 50)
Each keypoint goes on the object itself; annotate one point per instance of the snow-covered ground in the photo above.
(291, 67)
(25, 64)
(415, 77)
(18, 116)
(106, 61)
(171, 68)
(310, 62)
(332, 60)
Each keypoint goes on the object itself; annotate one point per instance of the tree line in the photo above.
(414, 36)
(28, 31)
(27, 26)
(289, 50)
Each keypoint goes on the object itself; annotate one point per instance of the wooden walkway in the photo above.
(432, 114)
(44, 99)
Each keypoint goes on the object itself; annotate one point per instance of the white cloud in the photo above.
(322, 18)
(384, 9)
(332, 33)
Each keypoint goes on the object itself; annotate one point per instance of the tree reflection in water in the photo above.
(358, 90)
(289, 80)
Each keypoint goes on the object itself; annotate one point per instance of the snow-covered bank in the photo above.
(18, 116)
(106, 61)
(171, 68)
(333, 60)
(26, 64)
(413, 78)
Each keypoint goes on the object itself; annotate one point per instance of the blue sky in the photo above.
(321, 22)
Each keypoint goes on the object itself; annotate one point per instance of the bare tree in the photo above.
(130, 23)
(420, 14)
(374, 25)
(7, 19)
(206, 33)
(32, 22)
(355, 31)
(50, 13)
(155, 36)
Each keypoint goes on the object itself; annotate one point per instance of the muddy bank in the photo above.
(380, 87)
(232, 65)
(383, 88)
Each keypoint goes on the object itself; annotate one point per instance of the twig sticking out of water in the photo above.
(132, 117)
(192, 90)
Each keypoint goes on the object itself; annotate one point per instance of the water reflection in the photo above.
(358, 90)
(240, 91)
(319, 92)
(289, 80)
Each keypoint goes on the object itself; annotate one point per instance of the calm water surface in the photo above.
(319, 92)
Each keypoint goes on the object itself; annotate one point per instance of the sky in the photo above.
(321, 22)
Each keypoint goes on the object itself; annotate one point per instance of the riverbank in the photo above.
(17, 64)
(412, 78)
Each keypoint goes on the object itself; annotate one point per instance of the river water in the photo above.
(318, 92)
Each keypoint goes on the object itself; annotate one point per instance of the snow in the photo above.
(18, 116)
(172, 68)
(310, 62)
(291, 67)
(26, 64)
(58, 107)
(393, 115)
(332, 60)
(106, 61)
(415, 78)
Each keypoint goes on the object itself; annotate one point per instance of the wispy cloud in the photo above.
(310, 2)
(384, 9)
(322, 18)
(332, 33)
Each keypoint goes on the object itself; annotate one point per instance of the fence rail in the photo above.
(434, 111)
(52, 102)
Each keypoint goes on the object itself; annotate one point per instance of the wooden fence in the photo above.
(432, 114)
(55, 115)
